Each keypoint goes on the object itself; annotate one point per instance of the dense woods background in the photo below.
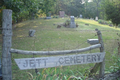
(30, 9)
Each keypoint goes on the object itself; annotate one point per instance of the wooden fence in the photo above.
(45, 62)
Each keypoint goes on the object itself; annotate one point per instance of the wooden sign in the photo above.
(54, 61)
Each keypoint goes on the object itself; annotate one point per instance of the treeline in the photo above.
(30, 9)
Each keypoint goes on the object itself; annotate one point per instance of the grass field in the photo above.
(49, 38)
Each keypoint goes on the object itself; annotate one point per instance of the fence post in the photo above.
(102, 64)
(6, 46)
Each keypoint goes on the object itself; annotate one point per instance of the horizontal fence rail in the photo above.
(55, 52)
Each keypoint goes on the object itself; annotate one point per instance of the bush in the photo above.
(105, 22)
(119, 25)
(56, 16)
(116, 66)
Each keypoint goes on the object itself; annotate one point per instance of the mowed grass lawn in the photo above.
(50, 38)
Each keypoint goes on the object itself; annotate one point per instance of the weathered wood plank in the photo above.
(6, 46)
(55, 52)
(93, 41)
(54, 61)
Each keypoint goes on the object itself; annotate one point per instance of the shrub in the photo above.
(116, 66)
(119, 25)
(56, 16)
(105, 22)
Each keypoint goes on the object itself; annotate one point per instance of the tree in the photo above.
(22, 9)
(71, 7)
(97, 6)
(48, 6)
(90, 10)
(112, 10)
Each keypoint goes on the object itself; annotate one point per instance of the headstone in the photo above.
(80, 15)
(31, 32)
(96, 18)
(62, 13)
(72, 24)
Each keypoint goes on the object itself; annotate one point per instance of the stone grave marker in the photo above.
(72, 23)
(62, 13)
(31, 32)
(80, 15)
(96, 18)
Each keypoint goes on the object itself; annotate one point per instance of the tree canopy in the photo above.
(112, 10)
(27, 9)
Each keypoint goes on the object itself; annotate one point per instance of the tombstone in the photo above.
(96, 18)
(80, 15)
(31, 32)
(62, 13)
(72, 23)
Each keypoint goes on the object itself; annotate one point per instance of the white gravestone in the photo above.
(96, 18)
(72, 24)
(80, 15)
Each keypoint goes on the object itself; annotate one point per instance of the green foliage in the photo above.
(71, 7)
(1, 8)
(119, 25)
(116, 66)
(67, 22)
(112, 12)
(46, 6)
(56, 74)
(30, 9)
(56, 16)
(27, 9)
(92, 9)
(104, 22)
(22, 9)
